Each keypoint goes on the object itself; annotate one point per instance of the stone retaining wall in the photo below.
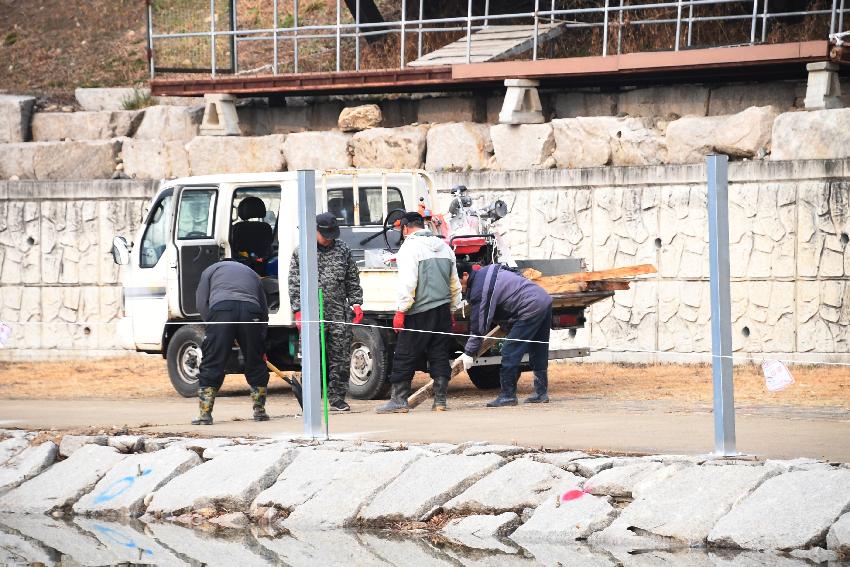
(790, 257)
(501, 499)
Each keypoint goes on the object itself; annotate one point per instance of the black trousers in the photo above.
(414, 346)
(218, 342)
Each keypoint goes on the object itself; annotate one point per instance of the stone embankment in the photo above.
(477, 495)
(651, 126)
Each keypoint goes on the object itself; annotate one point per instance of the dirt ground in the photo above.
(145, 376)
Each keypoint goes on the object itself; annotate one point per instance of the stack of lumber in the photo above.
(583, 288)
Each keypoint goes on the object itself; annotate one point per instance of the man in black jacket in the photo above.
(231, 300)
(499, 296)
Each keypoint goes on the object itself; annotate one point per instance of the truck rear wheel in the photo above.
(369, 364)
(184, 359)
(485, 377)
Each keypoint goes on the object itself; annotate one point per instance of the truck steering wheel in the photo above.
(393, 216)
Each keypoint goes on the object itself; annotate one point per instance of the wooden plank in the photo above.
(608, 285)
(613, 273)
(427, 390)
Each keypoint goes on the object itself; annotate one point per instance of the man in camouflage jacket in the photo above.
(339, 281)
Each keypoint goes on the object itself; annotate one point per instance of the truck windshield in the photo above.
(156, 234)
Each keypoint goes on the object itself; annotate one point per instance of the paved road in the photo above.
(602, 425)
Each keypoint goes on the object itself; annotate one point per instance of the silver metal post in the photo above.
(620, 30)
(537, 27)
(469, 31)
(419, 38)
(605, 31)
(691, 22)
(678, 24)
(764, 22)
(840, 17)
(721, 310)
(150, 39)
(403, 19)
(487, 13)
(274, 38)
(357, 35)
(832, 17)
(552, 15)
(753, 25)
(212, 36)
(338, 39)
(311, 361)
(295, 36)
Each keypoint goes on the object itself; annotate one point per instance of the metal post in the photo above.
(311, 372)
(832, 17)
(691, 22)
(295, 36)
(419, 38)
(753, 25)
(620, 30)
(150, 39)
(486, 13)
(234, 58)
(721, 310)
(764, 22)
(212, 36)
(338, 38)
(605, 31)
(403, 37)
(840, 17)
(357, 35)
(678, 24)
(552, 15)
(469, 31)
(274, 38)
(537, 27)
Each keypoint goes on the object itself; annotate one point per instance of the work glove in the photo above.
(358, 314)
(467, 361)
(398, 321)
(462, 307)
(298, 321)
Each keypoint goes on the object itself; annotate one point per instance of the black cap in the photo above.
(327, 226)
(412, 218)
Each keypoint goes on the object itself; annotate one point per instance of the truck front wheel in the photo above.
(485, 377)
(369, 364)
(184, 359)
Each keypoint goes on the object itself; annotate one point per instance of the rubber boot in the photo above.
(441, 387)
(507, 397)
(206, 401)
(258, 395)
(541, 389)
(399, 393)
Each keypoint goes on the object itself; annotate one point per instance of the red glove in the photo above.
(398, 321)
(298, 320)
(358, 314)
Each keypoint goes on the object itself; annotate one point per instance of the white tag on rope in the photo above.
(776, 375)
(5, 334)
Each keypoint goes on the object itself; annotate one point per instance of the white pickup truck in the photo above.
(195, 221)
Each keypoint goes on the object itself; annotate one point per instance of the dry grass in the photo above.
(145, 376)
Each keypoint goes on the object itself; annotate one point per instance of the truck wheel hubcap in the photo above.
(361, 364)
(190, 361)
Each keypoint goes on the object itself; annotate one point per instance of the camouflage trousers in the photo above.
(338, 349)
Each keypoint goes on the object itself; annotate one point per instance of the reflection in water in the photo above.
(26, 540)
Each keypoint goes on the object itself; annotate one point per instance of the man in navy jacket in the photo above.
(499, 296)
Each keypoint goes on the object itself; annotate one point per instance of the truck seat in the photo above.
(252, 239)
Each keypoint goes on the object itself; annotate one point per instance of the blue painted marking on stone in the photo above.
(119, 487)
(118, 538)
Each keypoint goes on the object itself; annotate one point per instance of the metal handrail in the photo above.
(610, 14)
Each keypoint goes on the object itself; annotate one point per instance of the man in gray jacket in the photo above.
(231, 300)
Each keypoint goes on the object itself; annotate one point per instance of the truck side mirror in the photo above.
(120, 251)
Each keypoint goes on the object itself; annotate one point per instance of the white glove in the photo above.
(467, 361)
(462, 307)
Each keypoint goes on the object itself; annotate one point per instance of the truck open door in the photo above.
(196, 240)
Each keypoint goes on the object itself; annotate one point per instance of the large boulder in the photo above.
(838, 537)
(231, 154)
(66, 161)
(666, 101)
(317, 150)
(604, 140)
(155, 159)
(168, 123)
(818, 134)
(57, 126)
(459, 146)
(523, 146)
(27, 464)
(112, 98)
(15, 115)
(357, 118)
(691, 138)
(572, 514)
(390, 148)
